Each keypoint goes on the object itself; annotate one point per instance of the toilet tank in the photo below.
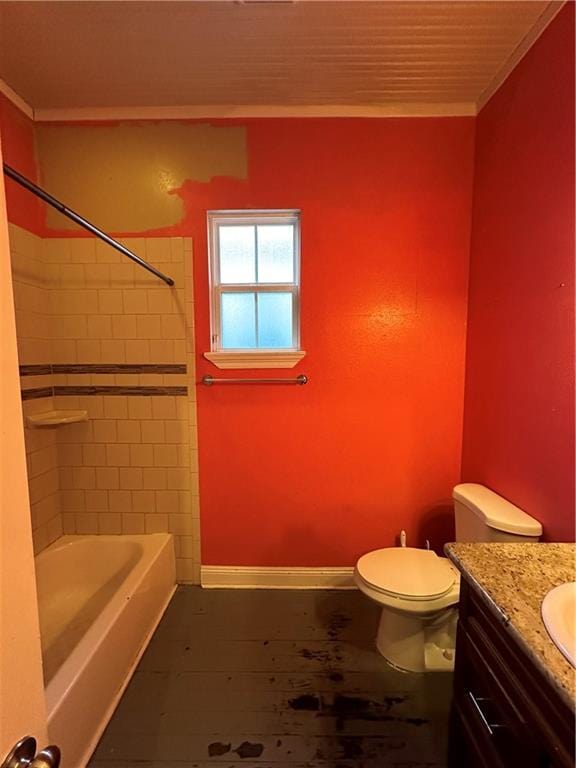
(482, 515)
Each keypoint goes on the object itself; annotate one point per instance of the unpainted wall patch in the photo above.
(123, 177)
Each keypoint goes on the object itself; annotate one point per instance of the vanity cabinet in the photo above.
(506, 713)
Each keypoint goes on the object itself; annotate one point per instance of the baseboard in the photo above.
(246, 577)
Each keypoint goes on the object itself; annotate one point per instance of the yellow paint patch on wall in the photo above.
(123, 177)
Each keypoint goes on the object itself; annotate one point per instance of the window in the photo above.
(255, 288)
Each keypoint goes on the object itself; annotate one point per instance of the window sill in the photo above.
(287, 359)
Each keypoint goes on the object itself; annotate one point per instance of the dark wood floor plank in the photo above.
(366, 763)
(285, 679)
(178, 693)
(171, 743)
(146, 681)
(332, 721)
(198, 654)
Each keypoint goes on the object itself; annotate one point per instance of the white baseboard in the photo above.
(246, 577)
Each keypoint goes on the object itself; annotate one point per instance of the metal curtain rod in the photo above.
(81, 221)
(209, 380)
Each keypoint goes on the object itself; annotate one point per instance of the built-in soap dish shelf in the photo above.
(56, 418)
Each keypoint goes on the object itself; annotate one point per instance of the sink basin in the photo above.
(559, 615)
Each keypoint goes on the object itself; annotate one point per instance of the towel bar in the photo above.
(209, 380)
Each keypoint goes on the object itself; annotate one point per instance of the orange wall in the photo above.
(17, 132)
(316, 475)
(519, 425)
(319, 474)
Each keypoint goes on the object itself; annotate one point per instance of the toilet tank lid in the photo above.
(495, 511)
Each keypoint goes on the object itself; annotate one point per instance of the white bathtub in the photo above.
(100, 599)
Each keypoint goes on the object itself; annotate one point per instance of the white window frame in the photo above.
(251, 358)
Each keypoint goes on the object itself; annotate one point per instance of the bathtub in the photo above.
(100, 599)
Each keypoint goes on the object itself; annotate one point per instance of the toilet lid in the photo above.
(407, 572)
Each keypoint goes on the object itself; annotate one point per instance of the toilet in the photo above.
(418, 591)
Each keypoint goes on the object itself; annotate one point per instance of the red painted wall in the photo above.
(17, 132)
(519, 413)
(319, 474)
(316, 475)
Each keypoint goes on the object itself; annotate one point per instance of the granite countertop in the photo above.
(513, 579)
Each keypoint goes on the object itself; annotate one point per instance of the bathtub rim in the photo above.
(64, 679)
(80, 717)
(115, 700)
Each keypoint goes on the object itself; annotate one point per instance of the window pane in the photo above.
(238, 320)
(275, 320)
(275, 253)
(237, 254)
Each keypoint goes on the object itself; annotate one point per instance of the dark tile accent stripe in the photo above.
(44, 369)
(119, 368)
(36, 393)
(131, 391)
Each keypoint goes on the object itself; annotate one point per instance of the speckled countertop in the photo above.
(513, 579)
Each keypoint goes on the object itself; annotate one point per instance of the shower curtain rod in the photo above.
(81, 221)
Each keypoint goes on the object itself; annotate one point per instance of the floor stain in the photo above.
(217, 748)
(351, 747)
(336, 623)
(345, 709)
(413, 720)
(390, 701)
(321, 656)
(307, 702)
(350, 704)
(248, 749)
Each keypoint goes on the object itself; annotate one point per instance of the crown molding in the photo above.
(231, 111)
(549, 13)
(457, 109)
(16, 99)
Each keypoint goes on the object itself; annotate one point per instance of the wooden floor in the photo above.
(285, 679)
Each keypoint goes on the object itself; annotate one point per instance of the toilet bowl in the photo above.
(418, 593)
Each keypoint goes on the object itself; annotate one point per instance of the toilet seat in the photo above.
(407, 573)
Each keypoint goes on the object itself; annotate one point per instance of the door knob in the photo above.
(23, 755)
(48, 758)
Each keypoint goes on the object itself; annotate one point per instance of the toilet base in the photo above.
(418, 644)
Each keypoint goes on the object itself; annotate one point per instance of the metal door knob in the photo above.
(23, 755)
(48, 758)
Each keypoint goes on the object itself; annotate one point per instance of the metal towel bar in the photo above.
(209, 380)
(81, 221)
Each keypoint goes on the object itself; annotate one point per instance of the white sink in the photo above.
(559, 615)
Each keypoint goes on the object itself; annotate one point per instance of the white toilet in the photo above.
(419, 591)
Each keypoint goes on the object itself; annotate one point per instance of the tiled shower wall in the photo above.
(121, 347)
(34, 329)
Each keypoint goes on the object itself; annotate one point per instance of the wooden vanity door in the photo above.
(505, 713)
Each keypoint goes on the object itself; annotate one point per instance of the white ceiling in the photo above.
(351, 55)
